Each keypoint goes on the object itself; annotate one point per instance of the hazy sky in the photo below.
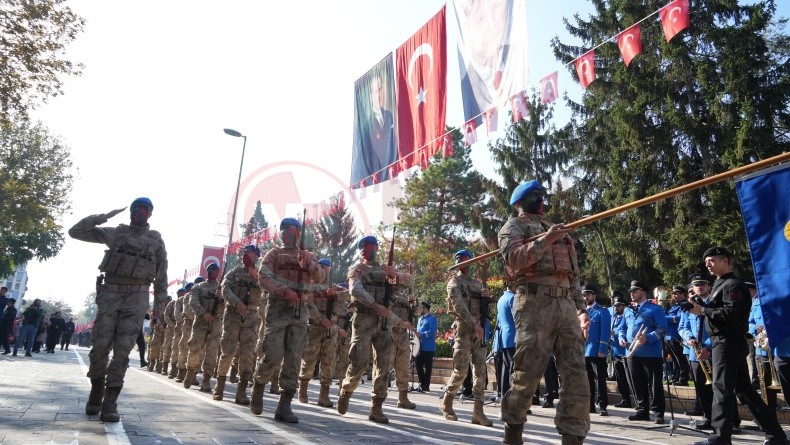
(162, 79)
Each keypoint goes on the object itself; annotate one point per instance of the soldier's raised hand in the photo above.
(485, 293)
(241, 308)
(112, 213)
(291, 296)
(342, 332)
(479, 332)
(556, 232)
(406, 325)
(390, 271)
(208, 317)
(326, 323)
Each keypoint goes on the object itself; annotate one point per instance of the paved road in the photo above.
(42, 402)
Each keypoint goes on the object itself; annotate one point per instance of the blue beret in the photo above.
(189, 285)
(200, 279)
(181, 290)
(290, 222)
(143, 200)
(325, 262)
(523, 190)
(368, 239)
(252, 248)
(212, 266)
(464, 252)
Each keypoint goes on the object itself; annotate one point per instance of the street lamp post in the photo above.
(235, 133)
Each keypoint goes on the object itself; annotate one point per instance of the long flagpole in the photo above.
(649, 200)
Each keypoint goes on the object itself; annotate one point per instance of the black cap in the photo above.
(678, 288)
(425, 304)
(12, 300)
(617, 293)
(636, 284)
(716, 251)
(699, 277)
(619, 299)
(589, 288)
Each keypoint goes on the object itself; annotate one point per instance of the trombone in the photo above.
(761, 343)
(635, 344)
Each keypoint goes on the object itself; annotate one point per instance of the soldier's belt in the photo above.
(551, 291)
(314, 323)
(123, 287)
(365, 310)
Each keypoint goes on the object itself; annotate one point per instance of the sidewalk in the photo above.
(42, 401)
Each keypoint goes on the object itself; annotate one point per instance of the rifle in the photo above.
(388, 283)
(483, 303)
(330, 302)
(411, 307)
(300, 274)
(346, 321)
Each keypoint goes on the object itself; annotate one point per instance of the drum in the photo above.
(414, 342)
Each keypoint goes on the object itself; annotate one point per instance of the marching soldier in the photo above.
(367, 281)
(178, 314)
(403, 307)
(206, 303)
(322, 335)
(549, 312)
(187, 318)
(170, 330)
(344, 313)
(465, 301)
(135, 258)
(283, 273)
(157, 340)
(242, 295)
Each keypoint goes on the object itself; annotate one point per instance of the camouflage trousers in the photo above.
(155, 346)
(319, 346)
(343, 345)
(238, 341)
(282, 343)
(204, 344)
(466, 350)
(366, 336)
(546, 324)
(183, 341)
(401, 353)
(167, 346)
(119, 317)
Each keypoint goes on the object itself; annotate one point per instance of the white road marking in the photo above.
(116, 434)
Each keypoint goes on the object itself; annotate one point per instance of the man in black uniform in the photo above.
(726, 320)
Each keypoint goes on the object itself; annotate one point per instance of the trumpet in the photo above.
(703, 364)
(634, 344)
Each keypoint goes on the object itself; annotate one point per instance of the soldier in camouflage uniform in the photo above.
(403, 307)
(170, 330)
(157, 340)
(206, 303)
(242, 295)
(135, 258)
(322, 335)
(367, 281)
(344, 313)
(465, 301)
(176, 361)
(549, 313)
(283, 273)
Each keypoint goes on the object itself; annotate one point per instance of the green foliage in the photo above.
(35, 181)
(34, 37)
(335, 238)
(443, 349)
(257, 221)
(52, 306)
(88, 312)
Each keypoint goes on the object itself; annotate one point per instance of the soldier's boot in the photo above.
(205, 384)
(190, 376)
(342, 401)
(241, 391)
(323, 397)
(158, 367)
(447, 407)
(283, 412)
(173, 372)
(151, 365)
(109, 407)
(182, 372)
(274, 388)
(93, 406)
(219, 390)
(234, 378)
(567, 439)
(256, 402)
(195, 380)
(376, 414)
(479, 416)
(513, 432)
(303, 390)
(164, 368)
(403, 400)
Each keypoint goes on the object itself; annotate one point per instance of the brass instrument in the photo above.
(703, 364)
(634, 344)
(663, 297)
(761, 343)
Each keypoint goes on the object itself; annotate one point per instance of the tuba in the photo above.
(662, 295)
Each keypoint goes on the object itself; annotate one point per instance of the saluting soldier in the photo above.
(465, 302)
(367, 281)
(206, 303)
(242, 295)
(285, 273)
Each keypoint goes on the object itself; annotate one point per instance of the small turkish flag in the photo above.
(585, 68)
(491, 117)
(519, 107)
(470, 132)
(448, 146)
(674, 18)
(393, 170)
(548, 89)
(630, 43)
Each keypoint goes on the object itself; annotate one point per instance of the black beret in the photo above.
(716, 251)
(637, 285)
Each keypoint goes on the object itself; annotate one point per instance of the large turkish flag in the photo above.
(421, 73)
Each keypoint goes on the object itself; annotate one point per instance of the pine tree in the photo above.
(335, 237)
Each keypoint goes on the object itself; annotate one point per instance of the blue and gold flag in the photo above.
(765, 205)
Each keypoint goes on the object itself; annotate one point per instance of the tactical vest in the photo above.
(206, 294)
(286, 269)
(244, 287)
(373, 280)
(324, 303)
(132, 254)
(471, 291)
(556, 259)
